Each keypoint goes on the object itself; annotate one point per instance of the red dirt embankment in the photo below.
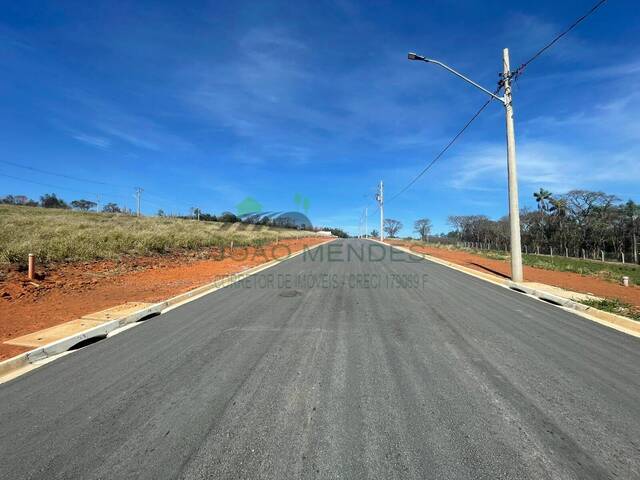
(68, 291)
(567, 280)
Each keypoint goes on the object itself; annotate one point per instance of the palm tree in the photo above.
(542, 197)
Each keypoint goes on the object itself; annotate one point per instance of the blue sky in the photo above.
(206, 103)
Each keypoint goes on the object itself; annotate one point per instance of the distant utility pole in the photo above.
(365, 222)
(380, 199)
(635, 238)
(138, 193)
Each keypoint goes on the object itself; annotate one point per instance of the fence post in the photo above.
(622, 253)
(551, 250)
(537, 250)
(526, 250)
(584, 254)
(566, 252)
(602, 254)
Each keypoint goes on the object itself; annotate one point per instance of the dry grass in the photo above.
(63, 235)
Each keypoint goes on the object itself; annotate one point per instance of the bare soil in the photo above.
(67, 291)
(567, 280)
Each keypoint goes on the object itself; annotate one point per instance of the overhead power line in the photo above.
(443, 151)
(521, 68)
(62, 175)
(514, 75)
(79, 179)
(86, 192)
(43, 184)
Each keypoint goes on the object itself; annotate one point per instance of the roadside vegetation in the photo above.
(579, 224)
(607, 271)
(604, 270)
(613, 305)
(55, 234)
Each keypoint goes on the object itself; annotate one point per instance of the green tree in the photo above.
(228, 217)
(337, 232)
(392, 227)
(83, 205)
(423, 228)
(50, 200)
(542, 199)
(111, 208)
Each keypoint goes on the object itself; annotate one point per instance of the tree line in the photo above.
(580, 223)
(392, 226)
(51, 200)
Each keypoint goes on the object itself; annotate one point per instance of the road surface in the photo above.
(337, 367)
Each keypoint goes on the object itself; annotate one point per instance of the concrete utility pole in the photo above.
(365, 223)
(138, 193)
(514, 210)
(635, 238)
(380, 198)
(506, 100)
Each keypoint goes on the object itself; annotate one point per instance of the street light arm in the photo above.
(413, 56)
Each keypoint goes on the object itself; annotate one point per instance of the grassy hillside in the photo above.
(63, 235)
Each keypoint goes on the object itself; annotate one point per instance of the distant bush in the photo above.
(50, 200)
(337, 232)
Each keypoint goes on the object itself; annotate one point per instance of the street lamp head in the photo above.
(415, 56)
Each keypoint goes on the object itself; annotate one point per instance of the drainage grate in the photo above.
(147, 317)
(86, 342)
(551, 301)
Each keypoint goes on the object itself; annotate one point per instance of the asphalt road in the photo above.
(373, 368)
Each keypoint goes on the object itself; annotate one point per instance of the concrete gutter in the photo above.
(611, 320)
(25, 360)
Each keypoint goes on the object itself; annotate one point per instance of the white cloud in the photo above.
(93, 140)
(550, 165)
(111, 123)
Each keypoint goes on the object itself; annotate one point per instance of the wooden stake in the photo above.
(32, 266)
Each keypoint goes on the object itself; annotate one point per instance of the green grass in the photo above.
(608, 271)
(64, 235)
(614, 306)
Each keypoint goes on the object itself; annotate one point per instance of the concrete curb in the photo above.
(60, 346)
(611, 320)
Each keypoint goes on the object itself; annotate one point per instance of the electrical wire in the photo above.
(513, 76)
(59, 186)
(521, 68)
(62, 175)
(442, 152)
(84, 180)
